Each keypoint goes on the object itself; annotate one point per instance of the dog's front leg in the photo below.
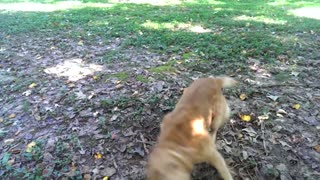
(216, 160)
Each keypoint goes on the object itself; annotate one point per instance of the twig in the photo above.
(114, 162)
(263, 137)
(14, 146)
(147, 142)
(144, 143)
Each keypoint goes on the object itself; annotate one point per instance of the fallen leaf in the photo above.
(12, 116)
(8, 141)
(243, 97)
(107, 172)
(105, 178)
(82, 151)
(317, 148)
(240, 136)
(95, 77)
(281, 111)
(80, 95)
(245, 155)
(87, 177)
(33, 85)
(245, 118)
(30, 146)
(71, 85)
(1, 120)
(27, 93)
(274, 98)
(114, 117)
(250, 131)
(295, 73)
(10, 162)
(98, 156)
(296, 106)
(263, 117)
(283, 143)
(37, 116)
(80, 43)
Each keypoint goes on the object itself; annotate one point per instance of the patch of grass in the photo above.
(25, 106)
(142, 78)
(120, 76)
(235, 30)
(282, 76)
(162, 69)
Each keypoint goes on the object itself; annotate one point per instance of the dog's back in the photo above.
(185, 139)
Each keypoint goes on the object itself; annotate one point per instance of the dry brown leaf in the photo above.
(98, 156)
(30, 146)
(243, 97)
(33, 85)
(317, 148)
(80, 43)
(245, 118)
(12, 115)
(296, 106)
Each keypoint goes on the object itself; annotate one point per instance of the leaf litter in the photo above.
(104, 126)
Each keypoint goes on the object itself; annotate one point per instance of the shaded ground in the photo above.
(75, 105)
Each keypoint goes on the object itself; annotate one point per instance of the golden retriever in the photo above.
(188, 133)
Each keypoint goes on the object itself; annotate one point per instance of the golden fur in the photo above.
(188, 133)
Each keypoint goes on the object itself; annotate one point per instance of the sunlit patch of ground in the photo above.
(73, 69)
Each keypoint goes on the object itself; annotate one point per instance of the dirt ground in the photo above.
(66, 114)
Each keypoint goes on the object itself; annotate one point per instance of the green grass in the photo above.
(162, 69)
(239, 29)
(142, 78)
(120, 76)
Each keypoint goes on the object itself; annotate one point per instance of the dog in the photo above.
(188, 133)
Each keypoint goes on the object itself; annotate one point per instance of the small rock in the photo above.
(109, 171)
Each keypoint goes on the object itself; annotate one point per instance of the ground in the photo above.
(84, 85)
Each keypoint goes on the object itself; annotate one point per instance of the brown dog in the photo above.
(188, 133)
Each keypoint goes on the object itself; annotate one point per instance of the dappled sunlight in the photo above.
(164, 2)
(39, 7)
(308, 12)
(175, 26)
(259, 19)
(74, 69)
(198, 127)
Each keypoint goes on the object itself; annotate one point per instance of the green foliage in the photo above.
(161, 69)
(238, 29)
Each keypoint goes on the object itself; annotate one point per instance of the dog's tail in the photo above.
(225, 81)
